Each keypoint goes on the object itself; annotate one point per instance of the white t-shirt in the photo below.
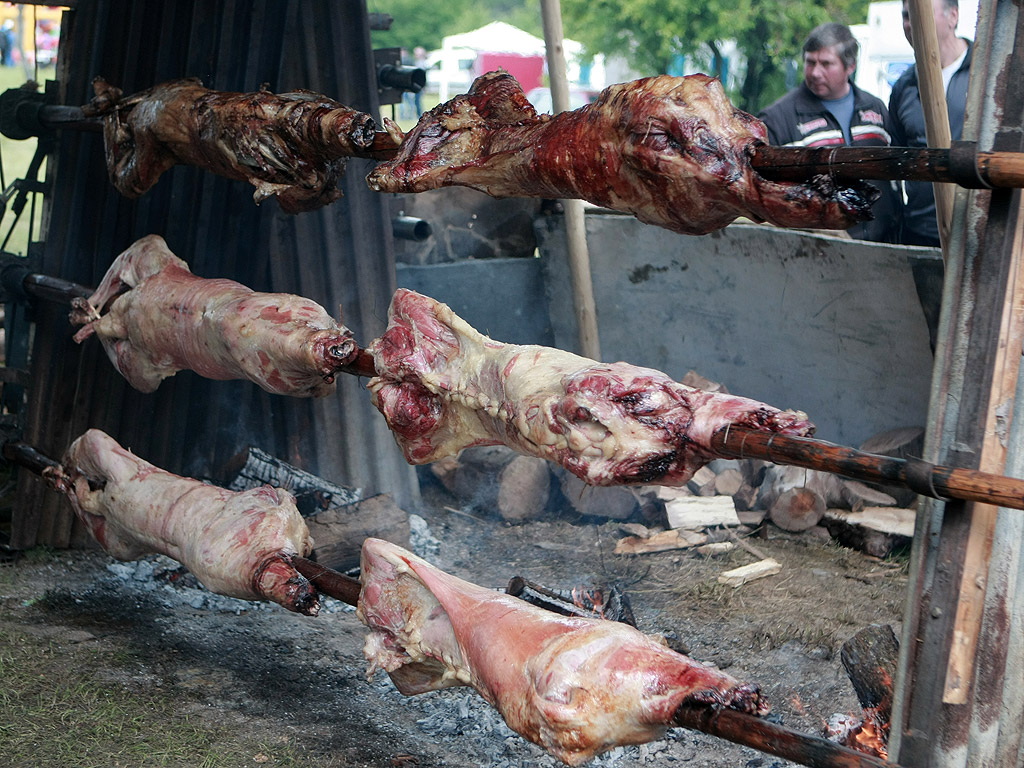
(947, 72)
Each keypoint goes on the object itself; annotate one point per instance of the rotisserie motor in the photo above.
(289, 145)
(670, 150)
(443, 386)
(238, 544)
(575, 686)
(156, 318)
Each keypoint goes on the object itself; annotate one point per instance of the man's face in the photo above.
(825, 73)
(945, 21)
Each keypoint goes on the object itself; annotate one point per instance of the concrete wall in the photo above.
(828, 325)
(503, 298)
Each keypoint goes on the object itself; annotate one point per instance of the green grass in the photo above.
(55, 709)
(16, 156)
(393, 111)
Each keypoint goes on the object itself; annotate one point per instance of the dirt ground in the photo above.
(133, 664)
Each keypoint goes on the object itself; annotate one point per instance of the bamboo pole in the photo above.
(933, 101)
(575, 224)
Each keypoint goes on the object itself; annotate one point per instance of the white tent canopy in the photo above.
(497, 37)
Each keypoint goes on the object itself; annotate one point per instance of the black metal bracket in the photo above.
(19, 113)
(395, 78)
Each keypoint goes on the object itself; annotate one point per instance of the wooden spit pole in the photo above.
(575, 221)
(960, 164)
(933, 101)
(932, 480)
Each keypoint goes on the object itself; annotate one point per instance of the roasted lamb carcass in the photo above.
(156, 318)
(442, 386)
(575, 686)
(290, 145)
(670, 150)
(239, 544)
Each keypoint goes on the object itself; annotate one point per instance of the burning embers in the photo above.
(608, 603)
(870, 659)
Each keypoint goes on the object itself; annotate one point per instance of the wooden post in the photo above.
(575, 225)
(970, 604)
(933, 101)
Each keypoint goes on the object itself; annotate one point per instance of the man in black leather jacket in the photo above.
(827, 109)
(920, 227)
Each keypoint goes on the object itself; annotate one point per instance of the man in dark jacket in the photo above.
(827, 109)
(920, 227)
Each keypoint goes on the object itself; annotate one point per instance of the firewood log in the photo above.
(797, 509)
(338, 534)
(614, 502)
(523, 489)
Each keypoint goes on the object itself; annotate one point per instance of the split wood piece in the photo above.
(338, 533)
(698, 512)
(961, 164)
(327, 580)
(737, 577)
(774, 739)
(927, 479)
(661, 541)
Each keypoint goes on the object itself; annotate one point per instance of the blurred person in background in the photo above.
(7, 43)
(827, 109)
(920, 226)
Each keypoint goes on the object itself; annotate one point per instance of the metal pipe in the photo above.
(410, 228)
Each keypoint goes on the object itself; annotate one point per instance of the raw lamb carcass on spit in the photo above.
(289, 145)
(156, 318)
(239, 544)
(442, 386)
(575, 686)
(670, 150)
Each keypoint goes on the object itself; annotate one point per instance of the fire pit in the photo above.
(263, 672)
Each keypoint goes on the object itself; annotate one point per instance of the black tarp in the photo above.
(340, 255)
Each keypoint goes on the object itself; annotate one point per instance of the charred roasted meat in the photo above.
(156, 318)
(670, 150)
(575, 686)
(239, 544)
(290, 145)
(442, 386)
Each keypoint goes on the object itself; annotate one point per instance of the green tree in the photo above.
(652, 34)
